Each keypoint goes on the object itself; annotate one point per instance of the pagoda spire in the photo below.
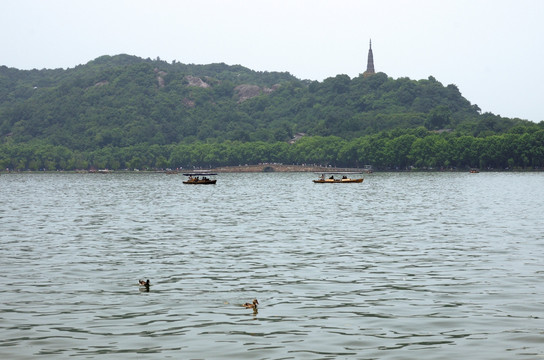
(370, 63)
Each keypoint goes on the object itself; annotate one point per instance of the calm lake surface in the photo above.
(402, 266)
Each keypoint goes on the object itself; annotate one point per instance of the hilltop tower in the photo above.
(370, 63)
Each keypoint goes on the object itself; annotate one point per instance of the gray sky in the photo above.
(493, 50)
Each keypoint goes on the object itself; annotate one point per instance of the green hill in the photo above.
(122, 102)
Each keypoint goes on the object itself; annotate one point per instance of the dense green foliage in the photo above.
(397, 149)
(126, 112)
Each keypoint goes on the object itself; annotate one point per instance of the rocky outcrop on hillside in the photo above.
(248, 91)
(160, 77)
(196, 81)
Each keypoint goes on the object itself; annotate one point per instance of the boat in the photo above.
(199, 179)
(340, 180)
(474, 171)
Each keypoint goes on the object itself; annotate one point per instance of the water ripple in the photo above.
(402, 266)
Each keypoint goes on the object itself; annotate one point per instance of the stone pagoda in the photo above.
(370, 63)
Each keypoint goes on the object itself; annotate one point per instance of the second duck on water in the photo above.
(145, 284)
(252, 305)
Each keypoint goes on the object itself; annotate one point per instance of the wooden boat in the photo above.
(199, 179)
(474, 171)
(332, 180)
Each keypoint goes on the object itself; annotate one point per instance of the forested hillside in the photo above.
(128, 112)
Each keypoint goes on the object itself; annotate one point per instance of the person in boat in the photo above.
(332, 177)
(344, 177)
(322, 177)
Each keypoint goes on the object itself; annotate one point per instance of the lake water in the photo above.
(402, 266)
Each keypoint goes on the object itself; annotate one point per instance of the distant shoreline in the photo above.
(258, 169)
(282, 168)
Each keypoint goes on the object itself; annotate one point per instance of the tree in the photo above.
(438, 118)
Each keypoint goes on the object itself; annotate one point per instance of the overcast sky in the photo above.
(493, 50)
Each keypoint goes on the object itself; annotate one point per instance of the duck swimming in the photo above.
(144, 285)
(252, 305)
